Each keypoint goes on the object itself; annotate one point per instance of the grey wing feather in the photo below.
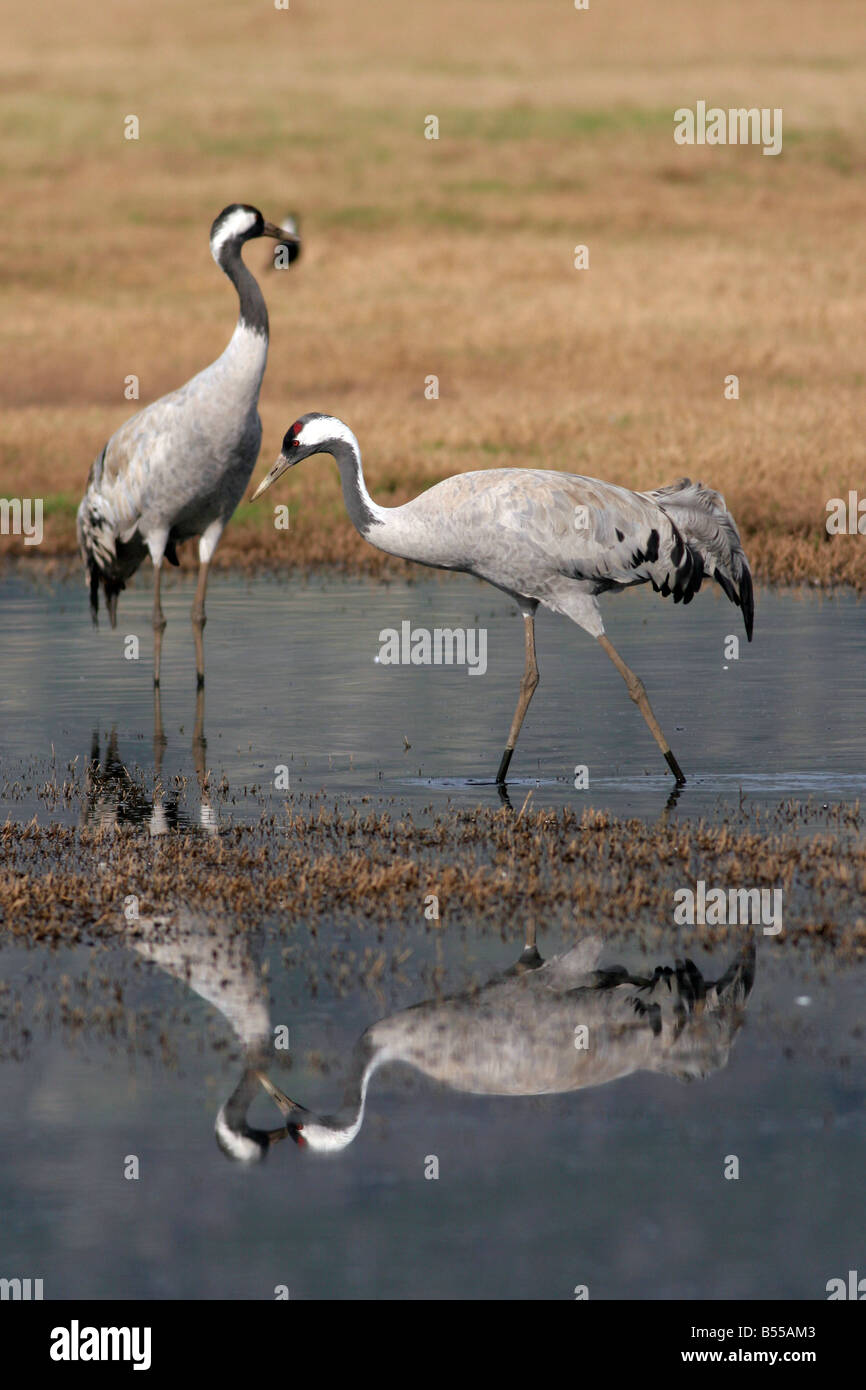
(702, 520)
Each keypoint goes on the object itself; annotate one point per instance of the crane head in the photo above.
(294, 1114)
(313, 433)
(244, 1144)
(240, 222)
(322, 1133)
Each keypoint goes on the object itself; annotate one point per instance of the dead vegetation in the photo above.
(451, 257)
(496, 870)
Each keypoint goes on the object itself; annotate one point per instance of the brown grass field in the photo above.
(452, 257)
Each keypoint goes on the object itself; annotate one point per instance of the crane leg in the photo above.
(199, 742)
(158, 622)
(528, 687)
(637, 692)
(207, 815)
(199, 618)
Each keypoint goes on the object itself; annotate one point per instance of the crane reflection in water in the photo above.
(544, 1028)
(539, 1028)
(114, 796)
(221, 963)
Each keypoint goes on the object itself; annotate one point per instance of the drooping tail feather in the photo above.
(97, 542)
(684, 984)
(693, 1020)
(710, 533)
(111, 587)
(735, 985)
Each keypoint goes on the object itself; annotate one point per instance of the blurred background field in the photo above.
(451, 257)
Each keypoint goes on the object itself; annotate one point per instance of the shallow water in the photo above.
(114, 1050)
(293, 681)
(620, 1188)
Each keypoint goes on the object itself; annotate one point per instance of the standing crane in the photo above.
(517, 1035)
(178, 468)
(551, 538)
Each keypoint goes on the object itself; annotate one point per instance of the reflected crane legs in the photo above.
(530, 956)
(199, 742)
(199, 618)
(158, 624)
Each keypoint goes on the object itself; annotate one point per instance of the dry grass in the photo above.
(451, 257)
(493, 870)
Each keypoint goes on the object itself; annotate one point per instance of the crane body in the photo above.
(178, 468)
(543, 537)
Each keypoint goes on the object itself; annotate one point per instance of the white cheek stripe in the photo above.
(236, 224)
(240, 1146)
(327, 428)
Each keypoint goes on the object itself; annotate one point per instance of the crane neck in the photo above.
(366, 515)
(235, 1136)
(253, 311)
(328, 1133)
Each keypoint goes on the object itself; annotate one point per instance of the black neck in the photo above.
(253, 310)
(240, 1100)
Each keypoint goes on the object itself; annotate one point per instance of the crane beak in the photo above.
(286, 1106)
(280, 234)
(278, 469)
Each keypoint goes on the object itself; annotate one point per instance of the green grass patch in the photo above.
(61, 504)
(362, 215)
(526, 122)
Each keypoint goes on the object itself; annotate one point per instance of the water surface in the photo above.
(110, 1050)
(293, 682)
(621, 1187)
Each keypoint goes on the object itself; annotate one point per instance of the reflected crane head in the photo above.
(324, 1133)
(238, 1140)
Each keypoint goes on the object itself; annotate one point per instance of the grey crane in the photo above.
(544, 1028)
(219, 962)
(552, 538)
(178, 468)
